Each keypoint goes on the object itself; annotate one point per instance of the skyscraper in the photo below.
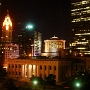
(80, 19)
(29, 43)
(37, 44)
(8, 50)
(7, 29)
(24, 41)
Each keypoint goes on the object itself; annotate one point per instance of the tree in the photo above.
(50, 80)
(38, 79)
(26, 86)
(3, 72)
(9, 84)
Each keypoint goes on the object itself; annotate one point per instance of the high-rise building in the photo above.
(80, 19)
(8, 50)
(25, 41)
(37, 44)
(29, 43)
(7, 29)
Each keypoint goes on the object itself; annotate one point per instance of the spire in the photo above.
(7, 12)
(7, 29)
(54, 35)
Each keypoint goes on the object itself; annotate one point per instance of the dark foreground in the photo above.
(20, 85)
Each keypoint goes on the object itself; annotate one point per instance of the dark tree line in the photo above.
(49, 80)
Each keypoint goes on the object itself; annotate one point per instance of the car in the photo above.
(67, 85)
(73, 85)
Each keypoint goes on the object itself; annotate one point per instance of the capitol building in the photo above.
(42, 66)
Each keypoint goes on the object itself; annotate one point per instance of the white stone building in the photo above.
(54, 47)
(25, 68)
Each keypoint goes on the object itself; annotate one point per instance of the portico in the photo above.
(28, 68)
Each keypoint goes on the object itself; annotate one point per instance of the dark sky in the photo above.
(50, 17)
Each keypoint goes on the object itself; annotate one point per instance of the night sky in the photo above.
(50, 17)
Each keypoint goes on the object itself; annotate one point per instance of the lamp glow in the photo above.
(35, 82)
(30, 26)
(78, 84)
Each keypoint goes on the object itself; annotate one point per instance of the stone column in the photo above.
(35, 70)
(38, 70)
(27, 70)
(14, 70)
(22, 70)
(18, 69)
(8, 69)
(47, 70)
(30, 70)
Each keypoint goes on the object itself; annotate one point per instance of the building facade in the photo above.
(37, 45)
(54, 47)
(29, 43)
(80, 19)
(25, 42)
(41, 68)
(61, 68)
(9, 51)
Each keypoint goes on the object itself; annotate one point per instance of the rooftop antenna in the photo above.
(7, 12)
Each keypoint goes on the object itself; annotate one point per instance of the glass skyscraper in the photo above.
(80, 20)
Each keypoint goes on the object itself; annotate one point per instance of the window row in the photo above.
(14, 66)
(47, 67)
(41, 67)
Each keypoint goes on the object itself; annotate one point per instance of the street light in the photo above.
(35, 83)
(78, 84)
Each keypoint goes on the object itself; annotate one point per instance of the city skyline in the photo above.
(50, 18)
(34, 44)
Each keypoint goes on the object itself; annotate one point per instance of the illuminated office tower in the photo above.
(37, 44)
(29, 43)
(80, 19)
(10, 51)
(7, 29)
